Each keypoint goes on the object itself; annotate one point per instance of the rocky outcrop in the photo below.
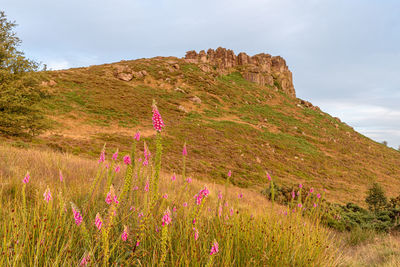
(125, 73)
(48, 83)
(262, 69)
(304, 103)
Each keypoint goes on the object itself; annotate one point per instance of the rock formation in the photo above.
(262, 69)
(126, 74)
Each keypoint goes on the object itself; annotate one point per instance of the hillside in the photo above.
(235, 112)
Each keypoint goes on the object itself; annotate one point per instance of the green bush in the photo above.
(381, 217)
(376, 198)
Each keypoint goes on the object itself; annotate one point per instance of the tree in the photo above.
(19, 90)
(376, 198)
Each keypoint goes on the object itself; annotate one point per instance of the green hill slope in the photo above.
(228, 121)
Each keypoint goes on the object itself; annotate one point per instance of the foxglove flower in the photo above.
(184, 151)
(26, 178)
(102, 156)
(196, 233)
(117, 169)
(77, 216)
(127, 160)
(137, 136)
(47, 195)
(166, 219)
(214, 248)
(202, 194)
(124, 235)
(147, 154)
(98, 222)
(158, 123)
(85, 260)
(111, 196)
(115, 155)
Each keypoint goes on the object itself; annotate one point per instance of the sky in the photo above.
(344, 54)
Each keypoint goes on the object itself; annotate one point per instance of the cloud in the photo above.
(377, 122)
(58, 65)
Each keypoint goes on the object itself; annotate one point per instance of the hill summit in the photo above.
(262, 69)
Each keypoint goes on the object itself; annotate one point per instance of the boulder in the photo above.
(125, 76)
(195, 99)
(182, 108)
(123, 72)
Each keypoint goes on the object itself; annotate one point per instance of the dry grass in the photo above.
(255, 233)
(382, 250)
(44, 166)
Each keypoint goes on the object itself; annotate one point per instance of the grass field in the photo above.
(51, 216)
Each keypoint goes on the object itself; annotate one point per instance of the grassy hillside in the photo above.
(49, 221)
(238, 125)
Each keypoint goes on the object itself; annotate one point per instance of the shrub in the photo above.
(376, 198)
(19, 93)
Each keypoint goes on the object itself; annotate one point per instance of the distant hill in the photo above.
(235, 112)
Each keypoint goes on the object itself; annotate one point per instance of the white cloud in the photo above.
(57, 65)
(377, 122)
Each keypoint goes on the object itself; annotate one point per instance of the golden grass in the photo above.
(44, 166)
(257, 235)
(383, 250)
